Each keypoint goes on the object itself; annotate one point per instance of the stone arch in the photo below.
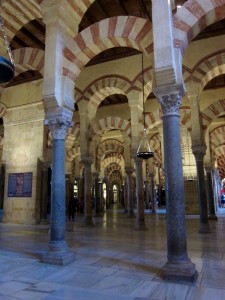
(155, 144)
(30, 10)
(116, 82)
(128, 31)
(138, 82)
(217, 138)
(212, 112)
(193, 17)
(153, 119)
(29, 59)
(209, 68)
(110, 145)
(72, 153)
(109, 123)
(98, 97)
(220, 164)
(112, 158)
(3, 110)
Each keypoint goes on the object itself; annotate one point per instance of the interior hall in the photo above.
(112, 149)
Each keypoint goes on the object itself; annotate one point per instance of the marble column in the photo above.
(152, 193)
(199, 153)
(178, 267)
(44, 192)
(146, 199)
(87, 192)
(59, 252)
(212, 213)
(96, 187)
(140, 195)
(125, 196)
(130, 207)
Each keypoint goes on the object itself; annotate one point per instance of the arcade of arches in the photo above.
(73, 129)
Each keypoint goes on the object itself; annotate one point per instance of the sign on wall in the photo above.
(20, 185)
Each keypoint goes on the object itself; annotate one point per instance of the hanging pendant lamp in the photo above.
(7, 67)
(144, 150)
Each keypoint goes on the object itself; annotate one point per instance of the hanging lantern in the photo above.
(7, 67)
(144, 151)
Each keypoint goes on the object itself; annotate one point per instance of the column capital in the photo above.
(170, 104)
(58, 127)
(208, 168)
(199, 151)
(129, 170)
(96, 174)
(87, 161)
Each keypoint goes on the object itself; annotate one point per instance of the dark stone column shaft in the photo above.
(58, 191)
(87, 192)
(178, 266)
(58, 250)
(130, 207)
(212, 213)
(199, 152)
(140, 195)
(176, 232)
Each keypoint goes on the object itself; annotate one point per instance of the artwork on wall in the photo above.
(20, 185)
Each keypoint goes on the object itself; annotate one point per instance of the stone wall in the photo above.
(23, 146)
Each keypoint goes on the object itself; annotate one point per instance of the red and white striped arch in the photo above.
(193, 17)
(155, 144)
(209, 68)
(110, 145)
(3, 110)
(29, 59)
(108, 123)
(25, 11)
(72, 153)
(212, 112)
(115, 82)
(114, 158)
(99, 96)
(217, 139)
(221, 165)
(120, 31)
(147, 78)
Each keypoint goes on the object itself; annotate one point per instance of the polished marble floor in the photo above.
(114, 261)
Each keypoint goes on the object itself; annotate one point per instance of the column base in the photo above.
(178, 271)
(44, 222)
(213, 217)
(204, 228)
(141, 226)
(131, 215)
(88, 221)
(58, 254)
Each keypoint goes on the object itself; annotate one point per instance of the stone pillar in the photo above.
(178, 266)
(44, 192)
(58, 250)
(87, 192)
(101, 204)
(212, 214)
(96, 187)
(140, 195)
(125, 195)
(130, 208)
(152, 193)
(199, 153)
